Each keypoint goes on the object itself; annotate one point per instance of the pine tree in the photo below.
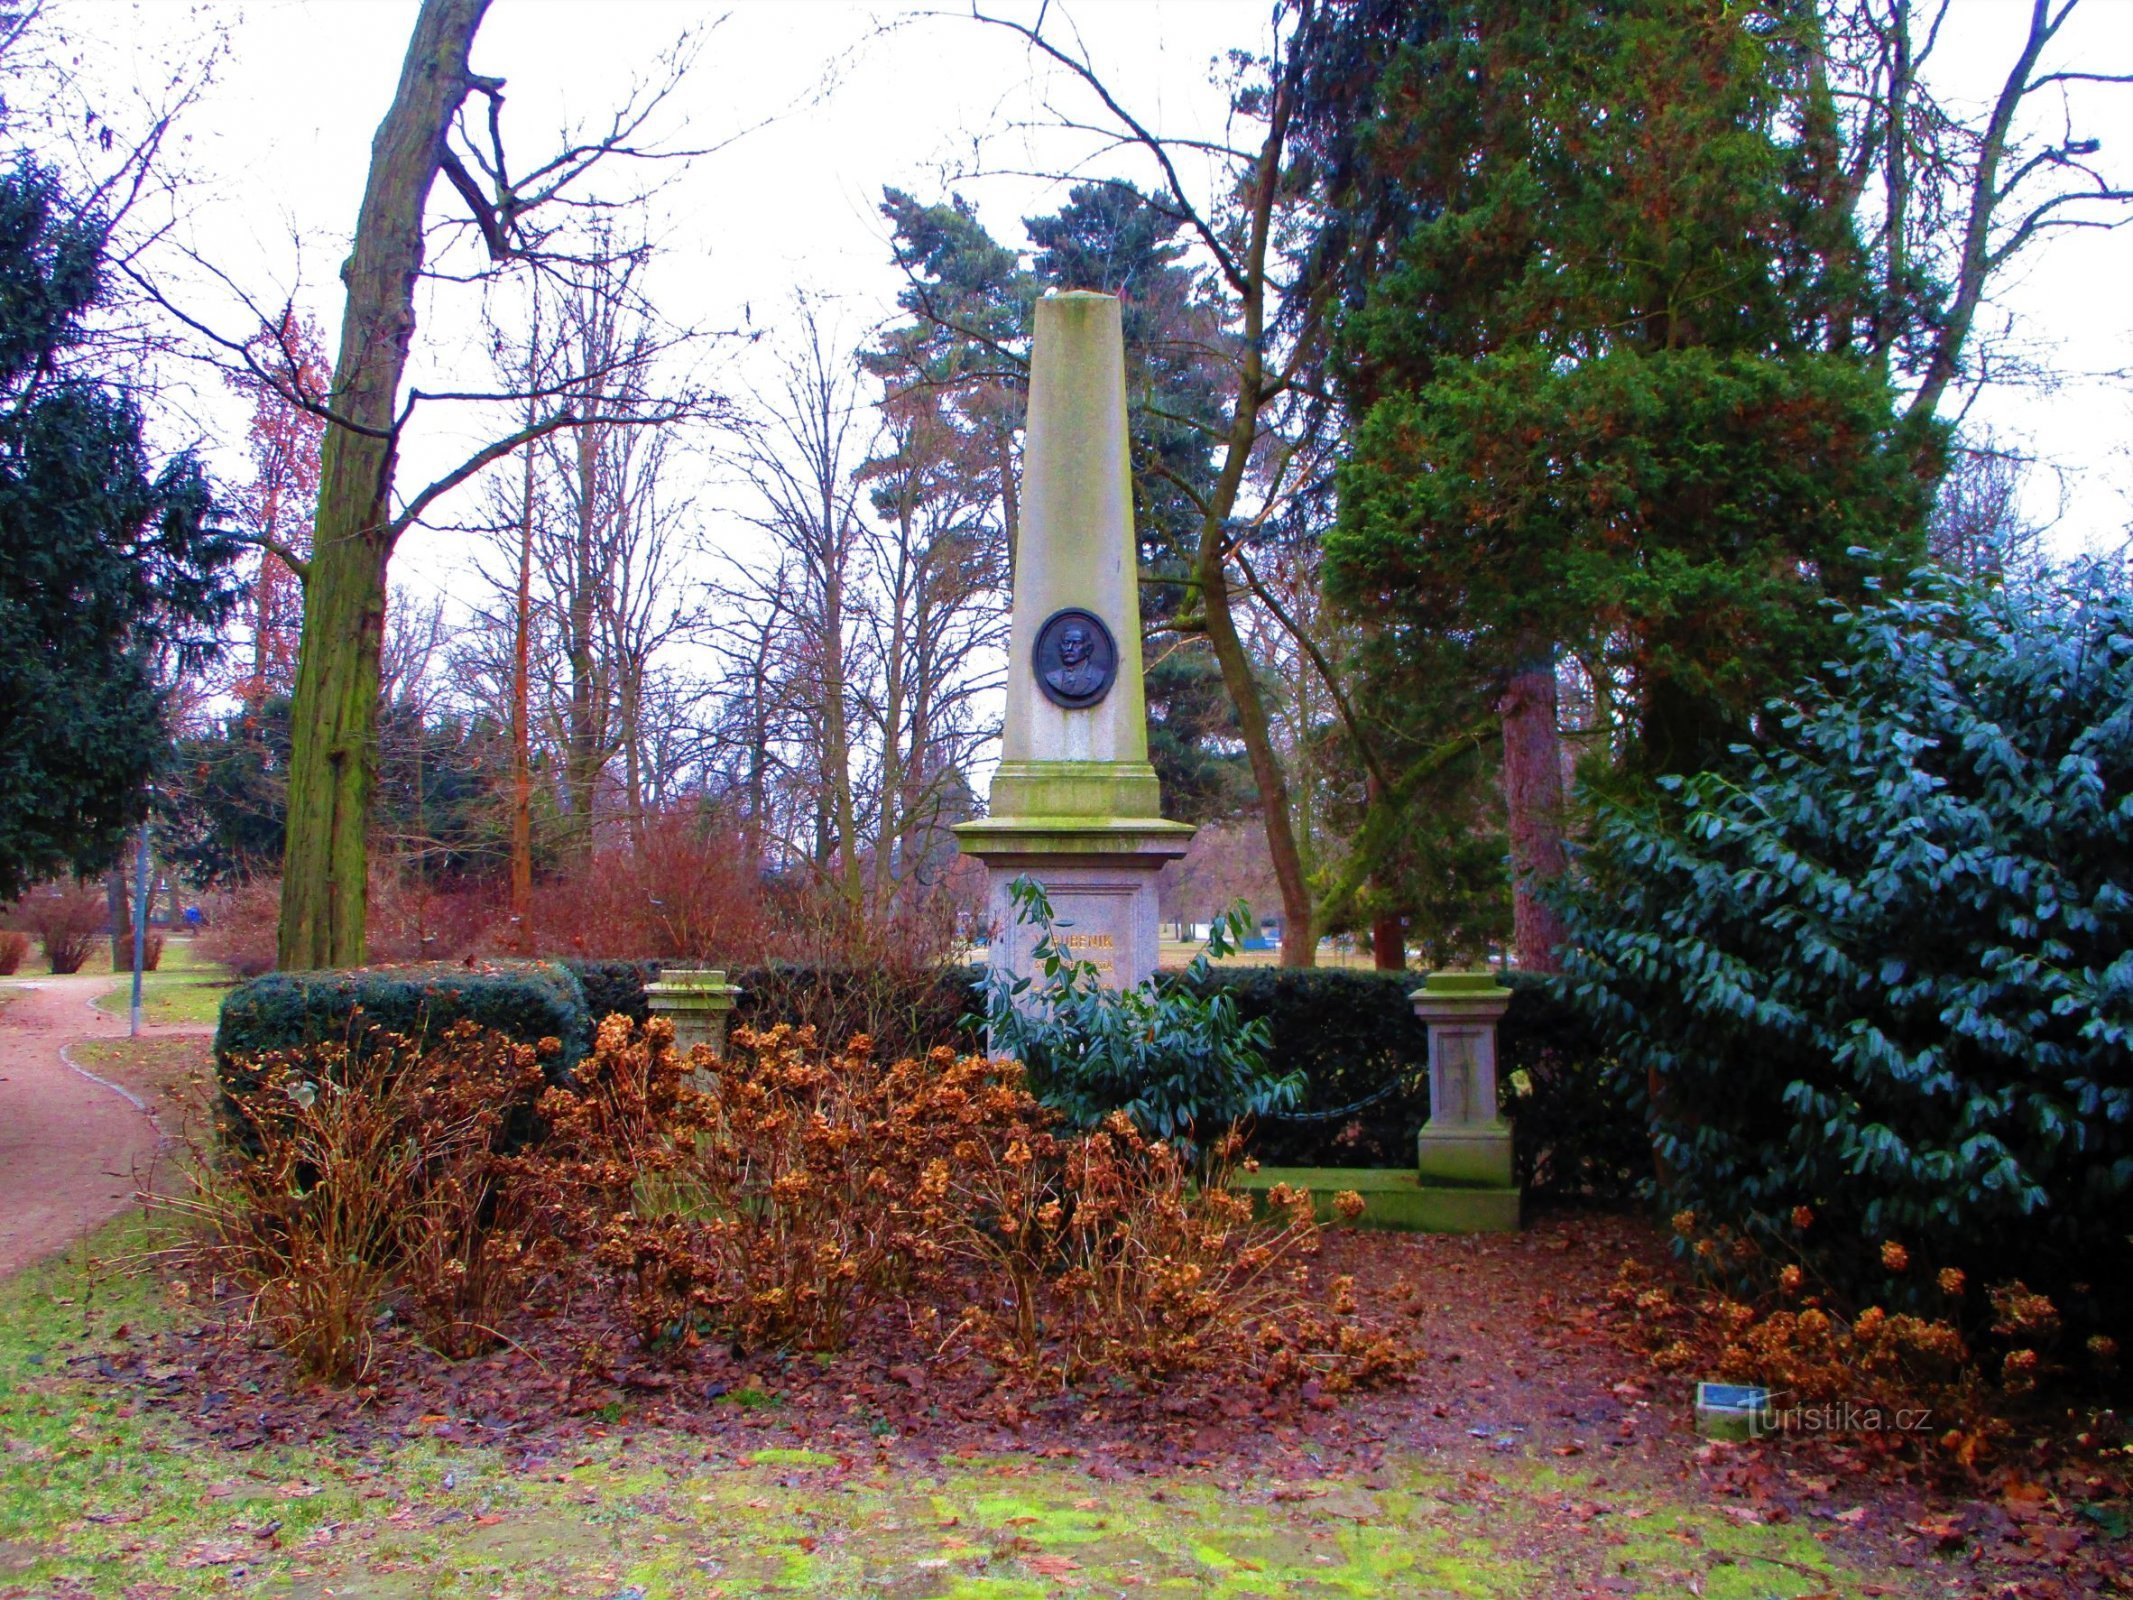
(1604, 393)
(110, 569)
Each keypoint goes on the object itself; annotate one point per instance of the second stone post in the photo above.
(1463, 1153)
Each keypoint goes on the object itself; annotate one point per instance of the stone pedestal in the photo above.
(1100, 879)
(1075, 804)
(696, 1000)
(1464, 1150)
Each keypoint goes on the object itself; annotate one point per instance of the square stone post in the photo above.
(1464, 1151)
(695, 1000)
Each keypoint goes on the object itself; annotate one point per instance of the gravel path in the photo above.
(73, 1148)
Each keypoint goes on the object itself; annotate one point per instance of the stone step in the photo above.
(1394, 1199)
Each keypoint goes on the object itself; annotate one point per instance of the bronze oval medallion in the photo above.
(1076, 660)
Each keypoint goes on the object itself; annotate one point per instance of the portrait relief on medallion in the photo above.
(1076, 659)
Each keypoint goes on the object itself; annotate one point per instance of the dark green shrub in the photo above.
(1363, 1055)
(1884, 968)
(524, 1001)
(1178, 1059)
(613, 987)
(906, 1013)
(1579, 1139)
(1365, 1060)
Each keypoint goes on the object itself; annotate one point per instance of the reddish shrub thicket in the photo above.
(882, 972)
(14, 945)
(68, 919)
(769, 1201)
(412, 919)
(409, 921)
(240, 925)
(692, 891)
(361, 1170)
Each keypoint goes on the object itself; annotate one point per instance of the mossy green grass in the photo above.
(103, 1493)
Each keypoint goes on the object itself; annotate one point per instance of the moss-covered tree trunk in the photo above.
(1299, 936)
(1299, 939)
(333, 757)
(1533, 797)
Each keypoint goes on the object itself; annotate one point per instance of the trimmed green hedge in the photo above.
(612, 986)
(527, 1001)
(906, 1013)
(1365, 1057)
(1355, 1037)
(1354, 1034)
(1580, 1139)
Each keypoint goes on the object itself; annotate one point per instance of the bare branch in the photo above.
(1231, 269)
(287, 554)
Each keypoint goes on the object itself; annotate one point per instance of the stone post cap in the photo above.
(1460, 996)
(692, 989)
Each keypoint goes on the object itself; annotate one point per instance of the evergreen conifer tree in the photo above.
(1606, 396)
(111, 571)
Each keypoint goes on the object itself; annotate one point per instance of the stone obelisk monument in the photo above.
(1075, 803)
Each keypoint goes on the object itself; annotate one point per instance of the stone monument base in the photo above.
(1465, 1153)
(1445, 1208)
(1100, 876)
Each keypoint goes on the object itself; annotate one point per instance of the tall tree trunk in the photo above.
(1010, 507)
(118, 903)
(333, 723)
(1896, 188)
(758, 759)
(1299, 942)
(1388, 932)
(1533, 796)
(836, 731)
(266, 611)
(630, 707)
(522, 721)
(1975, 263)
(892, 819)
(1299, 937)
(584, 740)
(1388, 944)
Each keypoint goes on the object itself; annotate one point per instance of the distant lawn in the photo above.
(183, 988)
(1179, 953)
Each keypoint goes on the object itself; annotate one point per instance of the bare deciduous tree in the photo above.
(801, 456)
(1947, 198)
(518, 215)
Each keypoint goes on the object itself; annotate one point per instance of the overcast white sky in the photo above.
(280, 139)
